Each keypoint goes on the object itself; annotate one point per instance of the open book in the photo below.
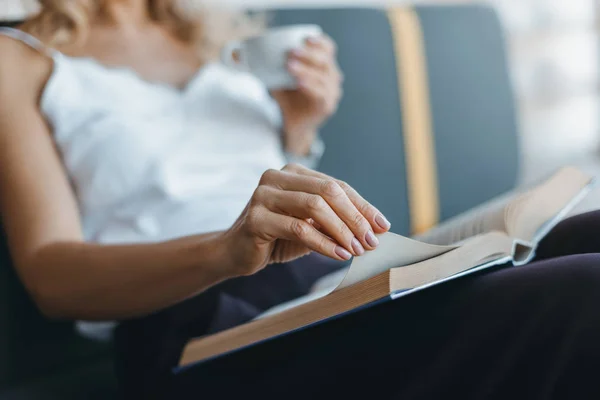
(504, 231)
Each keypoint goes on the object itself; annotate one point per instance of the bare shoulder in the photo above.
(36, 201)
(23, 70)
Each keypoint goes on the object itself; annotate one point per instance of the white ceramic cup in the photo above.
(266, 56)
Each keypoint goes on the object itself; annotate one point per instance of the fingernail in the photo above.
(343, 253)
(382, 222)
(359, 250)
(294, 65)
(372, 239)
(297, 52)
(313, 40)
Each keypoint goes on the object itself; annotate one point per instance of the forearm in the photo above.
(96, 282)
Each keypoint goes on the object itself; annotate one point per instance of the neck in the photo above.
(125, 13)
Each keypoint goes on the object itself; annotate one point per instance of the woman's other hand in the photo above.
(295, 211)
(317, 97)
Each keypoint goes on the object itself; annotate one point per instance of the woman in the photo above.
(129, 165)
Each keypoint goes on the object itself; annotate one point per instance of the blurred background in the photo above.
(555, 58)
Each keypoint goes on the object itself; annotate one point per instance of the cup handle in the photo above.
(227, 56)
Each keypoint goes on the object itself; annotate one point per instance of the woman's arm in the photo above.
(316, 99)
(67, 277)
(292, 212)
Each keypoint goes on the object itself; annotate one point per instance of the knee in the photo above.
(587, 222)
(576, 235)
(578, 274)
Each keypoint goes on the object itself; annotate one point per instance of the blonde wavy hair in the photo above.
(66, 22)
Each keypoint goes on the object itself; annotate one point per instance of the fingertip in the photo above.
(372, 240)
(382, 222)
(294, 65)
(343, 253)
(357, 248)
(302, 84)
(296, 53)
(313, 40)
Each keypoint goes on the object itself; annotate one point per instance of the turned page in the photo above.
(393, 251)
(525, 214)
(487, 217)
(531, 216)
(480, 252)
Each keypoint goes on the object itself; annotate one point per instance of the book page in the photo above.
(475, 252)
(490, 262)
(525, 213)
(487, 217)
(393, 251)
(531, 216)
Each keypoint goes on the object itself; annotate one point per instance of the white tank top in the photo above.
(149, 162)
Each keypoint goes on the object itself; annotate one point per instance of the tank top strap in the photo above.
(28, 39)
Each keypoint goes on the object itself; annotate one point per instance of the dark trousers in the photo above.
(528, 332)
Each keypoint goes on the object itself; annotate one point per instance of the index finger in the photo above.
(325, 42)
(378, 221)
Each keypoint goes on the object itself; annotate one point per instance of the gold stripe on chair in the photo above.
(419, 147)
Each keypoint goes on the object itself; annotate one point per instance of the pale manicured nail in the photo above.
(359, 250)
(294, 65)
(313, 40)
(298, 52)
(343, 253)
(372, 239)
(382, 222)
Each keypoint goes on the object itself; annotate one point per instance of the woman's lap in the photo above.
(148, 348)
(521, 332)
(528, 330)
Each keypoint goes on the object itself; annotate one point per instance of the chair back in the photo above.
(427, 126)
